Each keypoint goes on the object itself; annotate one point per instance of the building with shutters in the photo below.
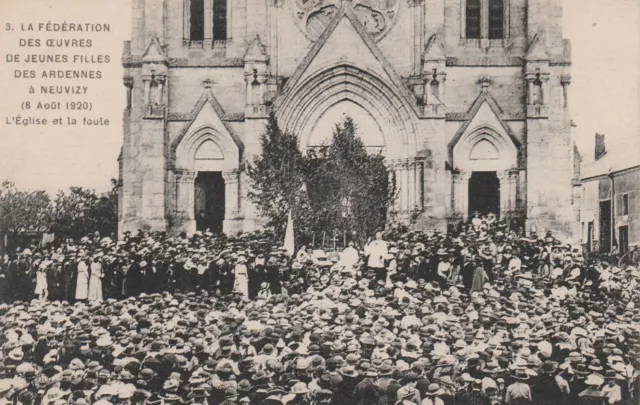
(466, 99)
(610, 197)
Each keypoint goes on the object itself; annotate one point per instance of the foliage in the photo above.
(336, 189)
(81, 212)
(277, 179)
(22, 210)
(349, 188)
(75, 213)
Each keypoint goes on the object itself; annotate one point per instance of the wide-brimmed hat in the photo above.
(230, 392)
(581, 369)
(385, 370)
(520, 374)
(16, 354)
(594, 380)
(348, 371)
(299, 388)
(371, 372)
(434, 389)
(595, 365)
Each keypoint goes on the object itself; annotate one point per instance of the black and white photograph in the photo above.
(320, 202)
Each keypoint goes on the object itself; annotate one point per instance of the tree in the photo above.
(277, 180)
(334, 189)
(22, 211)
(81, 211)
(349, 188)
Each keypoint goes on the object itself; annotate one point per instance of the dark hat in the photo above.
(520, 374)
(230, 392)
(549, 367)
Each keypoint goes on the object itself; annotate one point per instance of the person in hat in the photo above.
(82, 279)
(42, 289)
(95, 280)
(480, 276)
(473, 394)
(519, 389)
(274, 396)
(366, 392)
(230, 396)
(241, 280)
(377, 252)
(549, 388)
(433, 395)
(592, 395)
(612, 391)
(299, 395)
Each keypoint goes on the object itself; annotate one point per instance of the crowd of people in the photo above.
(482, 315)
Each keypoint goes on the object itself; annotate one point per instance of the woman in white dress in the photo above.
(241, 283)
(42, 289)
(82, 285)
(95, 281)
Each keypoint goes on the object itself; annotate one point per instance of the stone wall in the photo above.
(148, 194)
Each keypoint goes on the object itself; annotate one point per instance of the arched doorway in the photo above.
(207, 181)
(484, 193)
(209, 201)
(486, 175)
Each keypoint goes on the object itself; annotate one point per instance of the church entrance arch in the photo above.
(486, 173)
(207, 181)
(343, 84)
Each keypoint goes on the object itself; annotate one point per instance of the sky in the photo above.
(605, 35)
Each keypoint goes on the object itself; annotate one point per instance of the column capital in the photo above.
(128, 81)
(503, 175)
(159, 79)
(461, 176)
(185, 176)
(231, 176)
(147, 78)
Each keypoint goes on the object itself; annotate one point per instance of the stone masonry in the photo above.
(448, 100)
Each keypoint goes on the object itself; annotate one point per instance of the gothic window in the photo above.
(473, 19)
(486, 19)
(219, 20)
(196, 20)
(496, 19)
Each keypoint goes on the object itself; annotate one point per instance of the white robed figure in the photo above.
(42, 289)
(82, 285)
(241, 283)
(95, 282)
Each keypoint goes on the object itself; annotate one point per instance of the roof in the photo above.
(619, 156)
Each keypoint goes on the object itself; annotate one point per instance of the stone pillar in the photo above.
(402, 186)
(461, 193)
(146, 79)
(411, 189)
(232, 221)
(160, 93)
(513, 192)
(208, 24)
(417, 185)
(128, 82)
(544, 79)
(396, 178)
(505, 192)
(185, 200)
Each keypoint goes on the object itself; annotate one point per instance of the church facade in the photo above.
(466, 99)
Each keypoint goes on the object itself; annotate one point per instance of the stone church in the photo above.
(466, 99)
